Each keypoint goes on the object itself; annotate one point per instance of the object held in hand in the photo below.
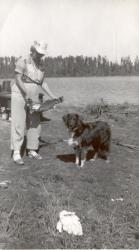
(41, 107)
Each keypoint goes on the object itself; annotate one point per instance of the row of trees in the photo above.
(77, 66)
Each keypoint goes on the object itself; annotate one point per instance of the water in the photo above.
(86, 90)
(83, 91)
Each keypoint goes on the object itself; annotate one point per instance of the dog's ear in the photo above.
(65, 119)
(79, 117)
(80, 120)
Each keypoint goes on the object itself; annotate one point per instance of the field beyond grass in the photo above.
(104, 196)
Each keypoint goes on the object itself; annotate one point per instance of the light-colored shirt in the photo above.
(30, 72)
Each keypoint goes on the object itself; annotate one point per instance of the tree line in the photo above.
(77, 66)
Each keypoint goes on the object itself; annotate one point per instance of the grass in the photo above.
(40, 190)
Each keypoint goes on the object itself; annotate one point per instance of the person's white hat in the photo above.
(41, 47)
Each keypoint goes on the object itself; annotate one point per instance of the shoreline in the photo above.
(95, 76)
(124, 105)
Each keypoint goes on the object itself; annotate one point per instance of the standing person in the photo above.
(29, 76)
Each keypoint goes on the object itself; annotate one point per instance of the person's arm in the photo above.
(19, 71)
(20, 84)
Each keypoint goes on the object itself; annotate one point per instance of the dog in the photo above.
(96, 135)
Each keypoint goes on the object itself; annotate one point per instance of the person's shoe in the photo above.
(17, 159)
(33, 154)
(19, 162)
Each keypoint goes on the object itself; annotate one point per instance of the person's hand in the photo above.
(61, 98)
(28, 102)
(26, 97)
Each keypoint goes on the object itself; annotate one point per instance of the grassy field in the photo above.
(104, 196)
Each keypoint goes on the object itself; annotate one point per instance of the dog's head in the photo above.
(72, 121)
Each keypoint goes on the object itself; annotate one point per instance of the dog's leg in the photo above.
(107, 157)
(82, 163)
(108, 160)
(77, 155)
(83, 156)
(94, 157)
(80, 158)
(77, 159)
(107, 153)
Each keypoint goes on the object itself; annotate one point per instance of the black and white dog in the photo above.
(85, 135)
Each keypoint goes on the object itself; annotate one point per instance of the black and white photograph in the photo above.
(69, 124)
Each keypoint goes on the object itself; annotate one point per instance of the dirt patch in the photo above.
(104, 196)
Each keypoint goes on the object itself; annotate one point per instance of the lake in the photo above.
(88, 90)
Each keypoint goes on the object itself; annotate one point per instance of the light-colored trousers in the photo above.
(23, 123)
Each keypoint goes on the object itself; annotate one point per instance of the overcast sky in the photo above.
(70, 27)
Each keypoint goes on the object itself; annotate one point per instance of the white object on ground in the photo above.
(70, 223)
(117, 199)
(4, 184)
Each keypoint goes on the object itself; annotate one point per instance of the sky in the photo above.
(70, 27)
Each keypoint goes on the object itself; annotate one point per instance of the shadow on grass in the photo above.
(66, 157)
(71, 157)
